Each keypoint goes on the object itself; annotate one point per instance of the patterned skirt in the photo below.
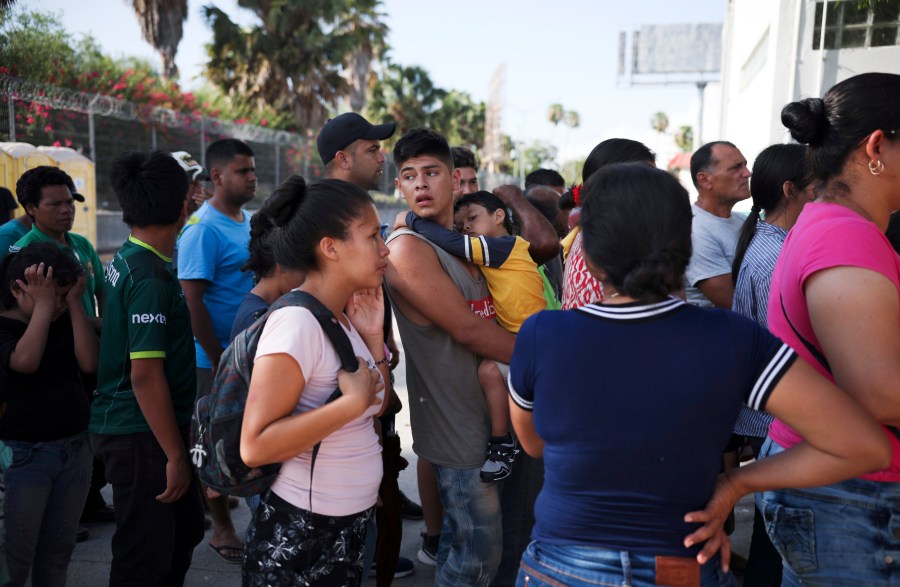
(286, 545)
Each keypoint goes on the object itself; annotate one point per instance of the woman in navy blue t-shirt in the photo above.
(630, 403)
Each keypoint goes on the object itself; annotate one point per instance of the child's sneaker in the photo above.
(501, 455)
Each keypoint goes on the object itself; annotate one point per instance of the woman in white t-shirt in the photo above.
(310, 530)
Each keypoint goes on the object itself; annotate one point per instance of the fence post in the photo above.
(92, 138)
(12, 118)
(277, 164)
(203, 141)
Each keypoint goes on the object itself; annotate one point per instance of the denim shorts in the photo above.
(552, 565)
(847, 533)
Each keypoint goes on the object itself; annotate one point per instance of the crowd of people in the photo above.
(586, 368)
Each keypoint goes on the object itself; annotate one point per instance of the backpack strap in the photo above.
(339, 340)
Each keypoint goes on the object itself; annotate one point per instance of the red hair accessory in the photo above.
(576, 194)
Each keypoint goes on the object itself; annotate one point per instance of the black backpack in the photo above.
(218, 417)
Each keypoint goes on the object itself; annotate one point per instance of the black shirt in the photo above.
(50, 403)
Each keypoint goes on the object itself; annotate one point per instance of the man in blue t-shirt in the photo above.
(212, 249)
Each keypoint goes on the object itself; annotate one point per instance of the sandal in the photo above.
(226, 553)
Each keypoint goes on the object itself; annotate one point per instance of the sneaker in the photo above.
(405, 568)
(499, 462)
(411, 510)
(427, 555)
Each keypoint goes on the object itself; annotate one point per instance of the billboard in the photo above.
(673, 48)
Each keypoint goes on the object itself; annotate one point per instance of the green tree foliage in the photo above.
(684, 139)
(36, 46)
(408, 96)
(295, 57)
(660, 122)
(537, 155)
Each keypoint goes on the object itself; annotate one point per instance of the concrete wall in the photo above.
(768, 61)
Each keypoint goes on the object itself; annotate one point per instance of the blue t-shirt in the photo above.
(10, 233)
(251, 308)
(213, 247)
(634, 404)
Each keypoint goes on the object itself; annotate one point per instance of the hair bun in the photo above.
(806, 120)
(284, 200)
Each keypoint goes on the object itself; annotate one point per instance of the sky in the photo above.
(562, 51)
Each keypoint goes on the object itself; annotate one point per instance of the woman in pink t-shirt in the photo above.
(835, 298)
(310, 529)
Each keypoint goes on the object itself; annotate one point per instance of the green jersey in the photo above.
(83, 251)
(144, 317)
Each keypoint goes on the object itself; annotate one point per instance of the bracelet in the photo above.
(381, 362)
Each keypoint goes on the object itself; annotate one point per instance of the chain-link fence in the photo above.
(101, 127)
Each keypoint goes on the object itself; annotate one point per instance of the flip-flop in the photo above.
(222, 551)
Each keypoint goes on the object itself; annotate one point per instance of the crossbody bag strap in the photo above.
(817, 354)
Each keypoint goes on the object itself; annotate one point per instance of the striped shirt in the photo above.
(751, 299)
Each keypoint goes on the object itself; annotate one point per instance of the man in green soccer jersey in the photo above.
(141, 417)
(48, 196)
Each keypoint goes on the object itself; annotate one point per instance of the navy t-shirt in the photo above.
(252, 307)
(635, 404)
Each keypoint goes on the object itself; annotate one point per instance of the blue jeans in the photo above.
(46, 487)
(847, 533)
(576, 566)
(472, 535)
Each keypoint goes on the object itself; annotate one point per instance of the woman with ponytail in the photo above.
(311, 531)
(630, 462)
(835, 299)
(780, 186)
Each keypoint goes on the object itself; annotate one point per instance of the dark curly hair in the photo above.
(66, 268)
(33, 181)
(262, 236)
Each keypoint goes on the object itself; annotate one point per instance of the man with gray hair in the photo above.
(722, 179)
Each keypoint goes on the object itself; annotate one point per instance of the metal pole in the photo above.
(12, 118)
(277, 164)
(203, 141)
(153, 136)
(822, 48)
(702, 87)
(92, 138)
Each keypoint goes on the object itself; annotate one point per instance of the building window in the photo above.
(850, 24)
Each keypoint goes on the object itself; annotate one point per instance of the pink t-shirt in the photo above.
(579, 286)
(826, 235)
(348, 466)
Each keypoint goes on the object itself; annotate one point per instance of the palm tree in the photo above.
(363, 22)
(161, 25)
(660, 122)
(405, 95)
(295, 57)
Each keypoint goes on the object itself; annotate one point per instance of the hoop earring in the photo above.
(876, 167)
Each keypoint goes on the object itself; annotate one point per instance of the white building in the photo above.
(771, 55)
